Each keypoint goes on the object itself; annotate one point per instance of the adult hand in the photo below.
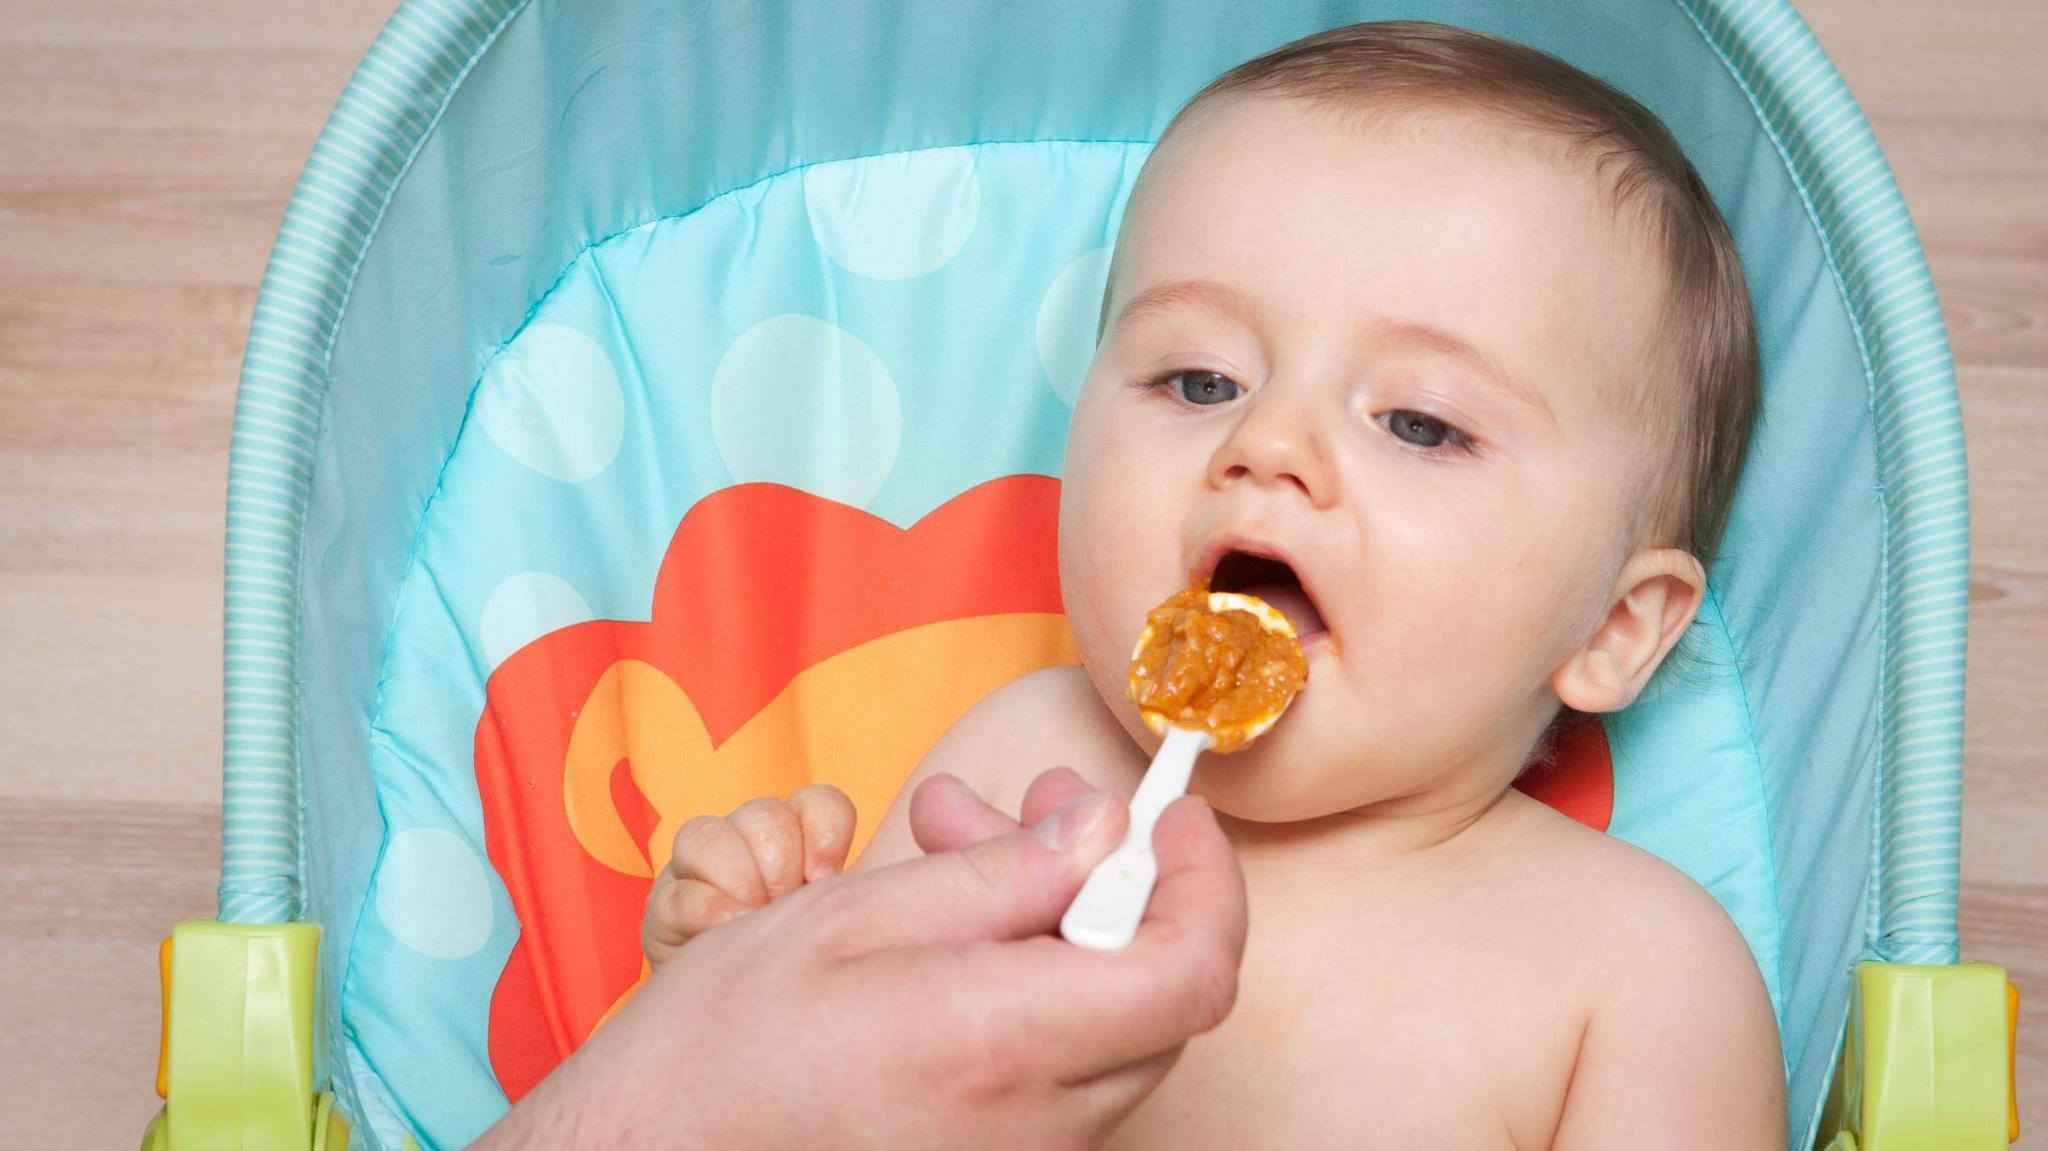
(921, 1005)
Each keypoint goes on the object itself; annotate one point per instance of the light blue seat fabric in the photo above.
(558, 271)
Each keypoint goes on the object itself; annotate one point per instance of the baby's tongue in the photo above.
(1292, 602)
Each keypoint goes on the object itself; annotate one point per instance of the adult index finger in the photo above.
(1082, 1014)
(946, 814)
(1009, 887)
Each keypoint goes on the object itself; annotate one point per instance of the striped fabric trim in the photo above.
(1876, 257)
(389, 106)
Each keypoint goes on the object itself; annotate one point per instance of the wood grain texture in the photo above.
(1959, 100)
(146, 152)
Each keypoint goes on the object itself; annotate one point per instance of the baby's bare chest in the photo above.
(1426, 1029)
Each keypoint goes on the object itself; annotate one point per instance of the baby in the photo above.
(1439, 346)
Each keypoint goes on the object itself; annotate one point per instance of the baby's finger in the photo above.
(777, 842)
(828, 819)
(679, 911)
(1051, 791)
(712, 849)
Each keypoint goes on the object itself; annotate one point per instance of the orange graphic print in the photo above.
(791, 640)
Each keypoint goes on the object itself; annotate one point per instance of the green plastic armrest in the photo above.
(1927, 1064)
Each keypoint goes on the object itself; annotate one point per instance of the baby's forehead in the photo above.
(1317, 184)
(1518, 253)
(1331, 127)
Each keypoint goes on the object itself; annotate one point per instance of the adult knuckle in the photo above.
(837, 914)
(1212, 991)
(977, 871)
(1009, 1064)
(1205, 975)
(986, 1066)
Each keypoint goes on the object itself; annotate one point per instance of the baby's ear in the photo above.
(1653, 602)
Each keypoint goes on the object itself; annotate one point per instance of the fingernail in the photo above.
(822, 871)
(1071, 824)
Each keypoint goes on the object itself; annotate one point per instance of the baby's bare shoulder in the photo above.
(1678, 1014)
(1641, 909)
(1639, 904)
(1562, 848)
(1048, 718)
(1025, 705)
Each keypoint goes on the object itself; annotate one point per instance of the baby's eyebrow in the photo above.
(1457, 347)
(1210, 294)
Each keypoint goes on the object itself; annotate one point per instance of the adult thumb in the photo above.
(1009, 887)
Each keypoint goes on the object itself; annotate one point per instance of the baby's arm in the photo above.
(1682, 1049)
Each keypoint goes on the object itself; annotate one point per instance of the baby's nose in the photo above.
(1276, 443)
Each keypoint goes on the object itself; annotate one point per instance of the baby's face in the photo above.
(1385, 356)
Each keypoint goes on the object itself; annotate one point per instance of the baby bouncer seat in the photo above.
(650, 406)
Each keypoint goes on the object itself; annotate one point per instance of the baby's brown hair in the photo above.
(1708, 330)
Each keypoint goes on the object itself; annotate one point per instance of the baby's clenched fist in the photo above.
(720, 868)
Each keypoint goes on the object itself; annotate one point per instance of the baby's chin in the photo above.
(1260, 786)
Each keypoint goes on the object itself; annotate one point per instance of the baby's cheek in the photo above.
(1110, 556)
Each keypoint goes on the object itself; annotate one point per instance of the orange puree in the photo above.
(1224, 672)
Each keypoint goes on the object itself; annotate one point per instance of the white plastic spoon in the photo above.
(1105, 915)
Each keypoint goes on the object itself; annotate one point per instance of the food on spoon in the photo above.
(1221, 662)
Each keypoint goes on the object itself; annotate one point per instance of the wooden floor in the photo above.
(146, 151)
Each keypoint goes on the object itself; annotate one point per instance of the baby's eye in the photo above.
(1204, 388)
(1425, 431)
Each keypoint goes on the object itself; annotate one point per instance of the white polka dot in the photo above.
(551, 400)
(896, 216)
(433, 895)
(526, 607)
(1066, 322)
(801, 402)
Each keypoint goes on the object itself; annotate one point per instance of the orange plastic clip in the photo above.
(2012, 1037)
(163, 1042)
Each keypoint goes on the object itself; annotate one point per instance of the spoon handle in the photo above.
(1104, 917)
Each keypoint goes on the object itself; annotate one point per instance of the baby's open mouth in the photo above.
(1272, 581)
